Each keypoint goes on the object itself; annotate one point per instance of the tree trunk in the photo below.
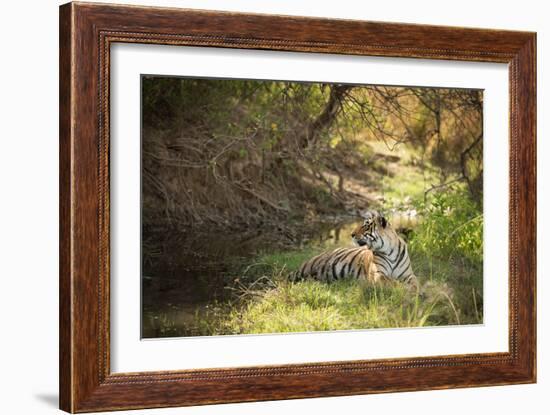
(333, 106)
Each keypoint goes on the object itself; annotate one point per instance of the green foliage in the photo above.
(452, 226)
(447, 248)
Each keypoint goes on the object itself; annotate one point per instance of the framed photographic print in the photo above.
(260, 207)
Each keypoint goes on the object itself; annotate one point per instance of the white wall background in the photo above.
(29, 205)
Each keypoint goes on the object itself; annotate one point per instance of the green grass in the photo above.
(280, 306)
(408, 183)
(459, 279)
(344, 305)
(404, 179)
(291, 260)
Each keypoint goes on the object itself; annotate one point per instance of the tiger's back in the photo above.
(341, 263)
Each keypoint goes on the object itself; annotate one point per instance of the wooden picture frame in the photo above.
(86, 33)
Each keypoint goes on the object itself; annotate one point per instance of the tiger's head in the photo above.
(372, 231)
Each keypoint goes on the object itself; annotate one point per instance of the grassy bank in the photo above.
(344, 305)
(446, 252)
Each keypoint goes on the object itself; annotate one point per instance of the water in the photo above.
(187, 275)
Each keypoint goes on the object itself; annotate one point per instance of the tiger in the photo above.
(380, 255)
(390, 252)
(356, 262)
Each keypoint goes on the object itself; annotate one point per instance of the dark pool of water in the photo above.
(184, 275)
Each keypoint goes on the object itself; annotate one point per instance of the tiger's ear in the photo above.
(383, 221)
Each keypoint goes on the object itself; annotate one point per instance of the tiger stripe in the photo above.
(339, 264)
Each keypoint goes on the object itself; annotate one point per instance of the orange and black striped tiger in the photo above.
(338, 264)
(380, 254)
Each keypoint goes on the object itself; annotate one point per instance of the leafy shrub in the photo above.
(447, 248)
(452, 226)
